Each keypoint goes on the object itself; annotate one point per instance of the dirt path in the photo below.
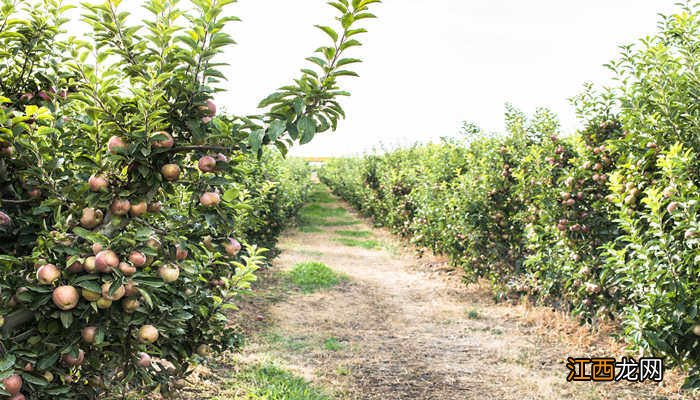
(402, 330)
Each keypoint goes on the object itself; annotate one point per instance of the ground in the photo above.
(388, 325)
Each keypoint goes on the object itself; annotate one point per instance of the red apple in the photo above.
(106, 260)
(116, 145)
(137, 258)
(5, 219)
(144, 360)
(65, 297)
(13, 384)
(98, 183)
(232, 247)
(180, 253)
(209, 199)
(155, 207)
(221, 157)
(96, 248)
(127, 269)
(207, 164)
(74, 361)
(138, 209)
(130, 289)
(120, 207)
(48, 274)
(164, 143)
(77, 267)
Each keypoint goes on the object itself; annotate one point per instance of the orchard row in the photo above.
(604, 223)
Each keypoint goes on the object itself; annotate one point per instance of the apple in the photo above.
(147, 334)
(34, 193)
(91, 218)
(221, 157)
(26, 96)
(180, 252)
(209, 108)
(98, 183)
(696, 330)
(28, 367)
(116, 145)
(48, 274)
(91, 296)
(209, 199)
(164, 143)
(138, 209)
(169, 273)
(120, 207)
(74, 361)
(203, 350)
(137, 258)
(207, 164)
(130, 289)
(117, 295)
(153, 243)
(127, 269)
(103, 303)
(144, 360)
(130, 305)
(232, 247)
(206, 120)
(7, 151)
(65, 297)
(106, 260)
(673, 206)
(90, 266)
(13, 384)
(88, 334)
(77, 267)
(155, 207)
(5, 219)
(96, 248)
(171, 172)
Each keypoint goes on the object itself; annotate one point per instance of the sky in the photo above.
(431, 64)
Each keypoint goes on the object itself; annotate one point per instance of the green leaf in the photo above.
(307, 129)
(47, 362)
(66, 319)
(8, 362)
(329, 31)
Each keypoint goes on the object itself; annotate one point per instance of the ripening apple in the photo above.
(106, 260)
(232, 247)
(89, 265)
(209, 108)
(164, 143)
(13, 384)
(207, 164)
(148, 334)
(98, 183)
(90, 295)
(116, 145)
(74, 361)
(696, 330)
(155, 207)
(127, 269)
(171, 172)
(153, 243)
(91, 218)
(7, 151)
(47, 274)
(169, 273)
(180, 252)
(130, 305)
(96, 248)
(65, 297)
(138, 209)
(144, 360)
(77, 267)
(209, 199)
(103, 303)
(5, 219)
(203, 350)
(118, 292)
(137, 258)
(120, 207)
(34, 193)
(130, 289)
(221, 157)
(88, 334)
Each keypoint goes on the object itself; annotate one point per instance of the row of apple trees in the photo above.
(131, 210)
(605, 222)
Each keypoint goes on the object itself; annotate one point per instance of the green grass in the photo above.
(354, 234)
(312, 276)
(473, 314)
(365, 244)
(332, 344)
(286, 342)
(319, 195)
(310, 229)
(319, 211)
(270, 382)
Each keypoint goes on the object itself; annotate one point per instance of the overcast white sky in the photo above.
(430, 64)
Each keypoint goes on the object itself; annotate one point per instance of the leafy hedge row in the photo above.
(604, 222)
